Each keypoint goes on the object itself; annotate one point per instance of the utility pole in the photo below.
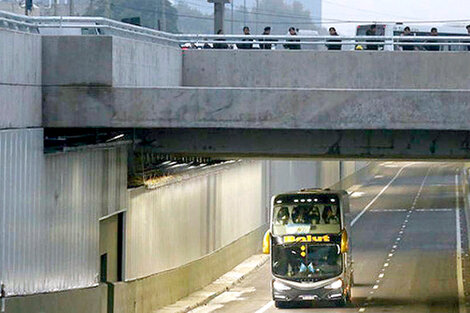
(163, 7)
(28, 6)
(244, 13)
(219, 11)
(231, 28)
(256, 16)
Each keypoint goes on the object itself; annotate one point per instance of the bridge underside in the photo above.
(223, 143)
(389, 144)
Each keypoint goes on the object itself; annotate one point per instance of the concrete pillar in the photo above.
(219, 13)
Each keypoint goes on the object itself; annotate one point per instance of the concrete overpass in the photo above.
(341, 104)
(175, 103)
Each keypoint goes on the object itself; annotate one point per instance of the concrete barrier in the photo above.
(326, 69)
(90, 300)
(147, 294)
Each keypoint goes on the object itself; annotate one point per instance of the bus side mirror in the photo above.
(344, 241)
(267, 242)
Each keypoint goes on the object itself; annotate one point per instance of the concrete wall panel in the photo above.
(77, 60)
(146, 64)
(326, 69)
(20, 80)
(256, 108)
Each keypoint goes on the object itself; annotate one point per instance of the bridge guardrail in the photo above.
(104, 26)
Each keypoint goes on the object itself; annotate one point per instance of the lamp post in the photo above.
(219, 11)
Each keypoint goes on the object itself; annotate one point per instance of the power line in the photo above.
(259, 12)
(209, 18)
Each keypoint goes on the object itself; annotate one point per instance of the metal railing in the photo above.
(104, 26)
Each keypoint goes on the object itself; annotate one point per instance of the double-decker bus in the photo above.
(309, 247)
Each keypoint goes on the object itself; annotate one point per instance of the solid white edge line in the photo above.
(378, 195)
(462, 308)
(265, 307)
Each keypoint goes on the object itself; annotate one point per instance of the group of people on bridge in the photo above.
(333, 44)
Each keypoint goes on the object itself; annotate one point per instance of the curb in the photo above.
(218, 287)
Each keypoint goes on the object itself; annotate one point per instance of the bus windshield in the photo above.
(320, 262)
(301, 218)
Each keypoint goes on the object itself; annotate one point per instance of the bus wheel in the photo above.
(280, 304)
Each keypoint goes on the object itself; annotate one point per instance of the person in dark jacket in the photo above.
(407, 33)
(333, 32)
(266, 32)
(433, 47)
(220, 45)
(246, 31)
(372, 31)
(468, 31)
(292, 32)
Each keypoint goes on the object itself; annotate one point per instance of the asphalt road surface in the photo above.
(408, 234)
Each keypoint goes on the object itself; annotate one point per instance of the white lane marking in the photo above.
(266, 307)
(378, 195)
(462, 308)
(357, 194)
(391, 210)
(434, 210)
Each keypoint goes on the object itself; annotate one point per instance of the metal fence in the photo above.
(101, 26)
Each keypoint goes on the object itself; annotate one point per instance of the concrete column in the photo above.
(219, 13)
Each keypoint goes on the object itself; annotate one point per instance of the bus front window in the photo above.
(306, 219)
(320, 262)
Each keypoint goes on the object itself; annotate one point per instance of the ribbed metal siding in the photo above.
(49, 211)
(74, 202)
(81, 187)
(23, 222)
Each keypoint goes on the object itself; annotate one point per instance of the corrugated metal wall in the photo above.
(23, 219)
(50, 207)
(81, 187)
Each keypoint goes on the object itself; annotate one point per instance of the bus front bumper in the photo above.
(287, 292)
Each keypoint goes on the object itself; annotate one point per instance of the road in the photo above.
(408, 223)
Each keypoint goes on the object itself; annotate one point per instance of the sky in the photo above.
(392, 10)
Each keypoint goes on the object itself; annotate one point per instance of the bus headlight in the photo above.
(280, 286)
(335, 285)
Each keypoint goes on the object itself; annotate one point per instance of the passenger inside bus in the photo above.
(282, 217)
(330, 217)
(306, 219)
(313, 215)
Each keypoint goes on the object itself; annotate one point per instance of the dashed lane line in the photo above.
(378, 195)
(462, 308)
(394, 247)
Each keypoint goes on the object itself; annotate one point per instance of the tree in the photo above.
(156, 14)
(191, 20)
